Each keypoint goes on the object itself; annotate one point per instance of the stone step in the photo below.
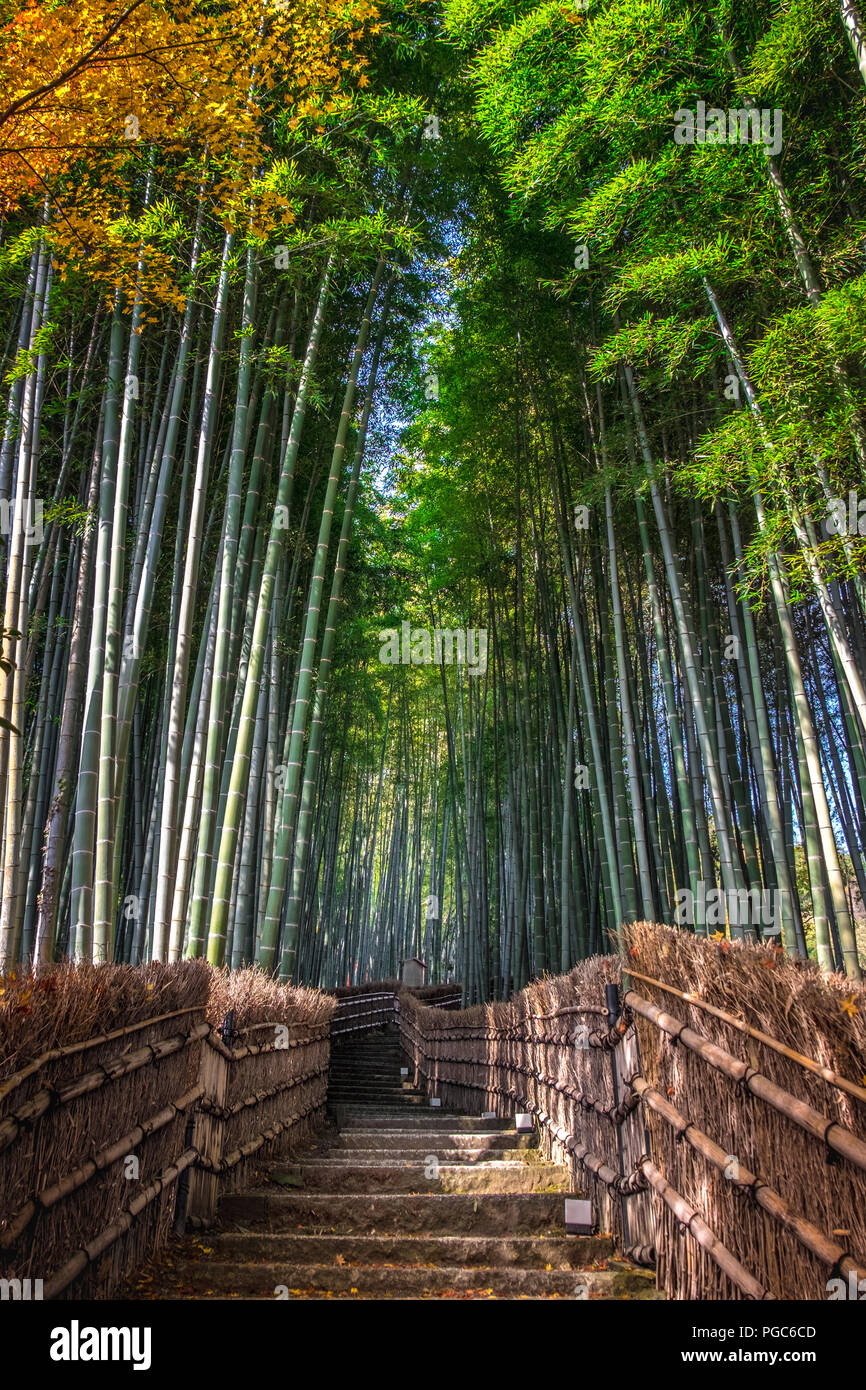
(352, 1056)
(367, 1067)
(412, 1142)
(378, 1060)
(429, 1118)
(462, 1155)
(377, 1066)
(496, 1252)
(375, 1071)
(378, 1090)
(389, 1106)
(482, 1213)
(349, 1109)
(391, 1102)
(390, 1055)
(222, 1278)
(474, 1148)
(392, 1084)
(389, 1052)
(408, 1140)
(372, 1083)
(395, 1111)
(348, 1175)
(354, 1095)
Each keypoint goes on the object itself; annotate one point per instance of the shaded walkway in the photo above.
(398, 1200)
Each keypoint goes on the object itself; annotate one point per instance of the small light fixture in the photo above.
(524, 1122)
(578, 1216)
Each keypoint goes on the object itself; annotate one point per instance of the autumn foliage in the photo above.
(191, 97)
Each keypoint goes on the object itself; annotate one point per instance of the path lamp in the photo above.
(578, 1216)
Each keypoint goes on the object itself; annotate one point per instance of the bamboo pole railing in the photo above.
(834, 1255)
(112, 1153)
(212, 1099)
(826, 1073)
(831, 1133)
(122, 1223)
(72, 1049)
(498, 1061)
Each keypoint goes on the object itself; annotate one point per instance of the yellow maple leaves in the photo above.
(103, 95)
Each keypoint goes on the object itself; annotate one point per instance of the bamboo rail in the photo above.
(225, 1112)
(829, 1132)
(50, 1096)
(122, 1223)
(71, 1049)
(814, 1240)
(826, 1073)
(251, 1146)
(691, 1220)
(100, 1161)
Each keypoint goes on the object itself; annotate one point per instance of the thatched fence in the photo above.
(754, 1089)
(709, 1097)
(131, 1098)
(549, 1051)
(713, 1107)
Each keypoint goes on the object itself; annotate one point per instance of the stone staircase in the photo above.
(402, 1200)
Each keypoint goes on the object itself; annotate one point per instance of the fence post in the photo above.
(611, 999)
(639, 1226)
(207, 1134)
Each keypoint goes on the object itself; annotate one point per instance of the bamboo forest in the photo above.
(432, 483)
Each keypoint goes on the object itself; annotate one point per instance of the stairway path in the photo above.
(399, 1199)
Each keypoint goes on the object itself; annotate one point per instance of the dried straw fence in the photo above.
(716, 1116)
(131, 1098)
(712, 1106)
